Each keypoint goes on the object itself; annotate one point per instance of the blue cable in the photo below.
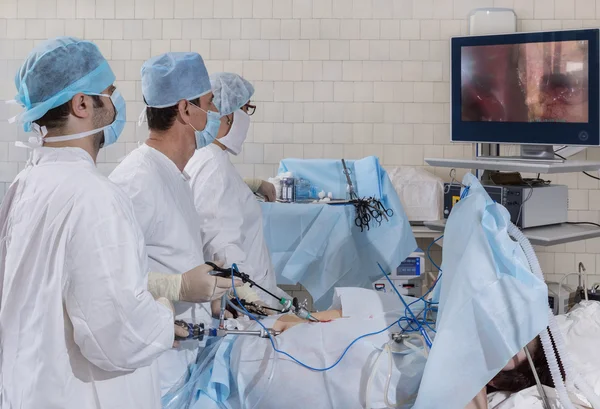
(235, 268)
(428, 251)
(464, 194)
(421, 329)
(428, 304)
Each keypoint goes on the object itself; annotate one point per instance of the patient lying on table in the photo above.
(241, 372)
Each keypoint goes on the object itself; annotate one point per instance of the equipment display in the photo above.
(526, 88)
(412, 287)
(528, 206)
(408, 277)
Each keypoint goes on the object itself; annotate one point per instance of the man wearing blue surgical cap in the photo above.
(78, 328)
(181, 119)
(230, 216)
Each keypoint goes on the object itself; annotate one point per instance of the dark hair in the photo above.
(57, 117)
(162, 119)
(522, 377)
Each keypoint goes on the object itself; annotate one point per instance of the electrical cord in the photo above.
(523, 204)
(429, 304)
(415, 320)
(584, 172)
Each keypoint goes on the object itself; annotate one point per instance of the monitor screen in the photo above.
(540, 82)
(529, 88)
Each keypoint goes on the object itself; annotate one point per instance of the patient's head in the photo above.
(517, 374)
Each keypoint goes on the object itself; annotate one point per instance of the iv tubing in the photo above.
(371, 376)
(275, 360)
(388, 380)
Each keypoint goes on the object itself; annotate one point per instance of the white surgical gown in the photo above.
(77, 327)
(230, 217)
(164, 207)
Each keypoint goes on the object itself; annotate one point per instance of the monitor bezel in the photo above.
(526, 133)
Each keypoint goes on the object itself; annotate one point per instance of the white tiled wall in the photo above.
(333, 78)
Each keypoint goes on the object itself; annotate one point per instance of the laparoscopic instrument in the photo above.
(198, 331)
(299, 309)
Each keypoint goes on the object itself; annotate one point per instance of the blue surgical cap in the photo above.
(55, 71)
(231, 92)
(171, 77)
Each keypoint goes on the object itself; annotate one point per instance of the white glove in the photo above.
(197, 285)
(253, 184)
(245, 292)
(164, 285)
(267, 190)
(263, 188)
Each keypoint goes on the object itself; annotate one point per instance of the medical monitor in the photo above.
(526, 88)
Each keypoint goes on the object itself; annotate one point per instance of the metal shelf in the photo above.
(569, 166)
(545, 235)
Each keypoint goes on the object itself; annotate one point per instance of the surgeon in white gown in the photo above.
(181, 119)
(230, 216)
(78, 329)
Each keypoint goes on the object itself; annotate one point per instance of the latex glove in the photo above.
(267, 190)
(245, 292)
(253, 184)
(179, 331)
(263, 188)
(197, 285)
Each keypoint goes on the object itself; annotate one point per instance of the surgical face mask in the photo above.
(111, 131)
(206, 136)
(237, 134)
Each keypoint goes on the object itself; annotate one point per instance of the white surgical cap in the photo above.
(55, 71)
(231, 91)
(171, 77)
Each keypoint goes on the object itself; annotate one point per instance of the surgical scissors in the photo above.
(387, 212)
(362, 220)
(381, 210)
(367, 209)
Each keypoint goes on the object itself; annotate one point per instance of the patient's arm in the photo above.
(288, 321)
(480, 401)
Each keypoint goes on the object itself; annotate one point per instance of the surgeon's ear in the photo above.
(81, 105)
(184, 110)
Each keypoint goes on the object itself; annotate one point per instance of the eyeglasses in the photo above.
(249, 109)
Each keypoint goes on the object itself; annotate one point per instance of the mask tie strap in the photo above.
(143, 117)
(33, 142)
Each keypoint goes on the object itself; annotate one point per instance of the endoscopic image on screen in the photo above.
(532, 82)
